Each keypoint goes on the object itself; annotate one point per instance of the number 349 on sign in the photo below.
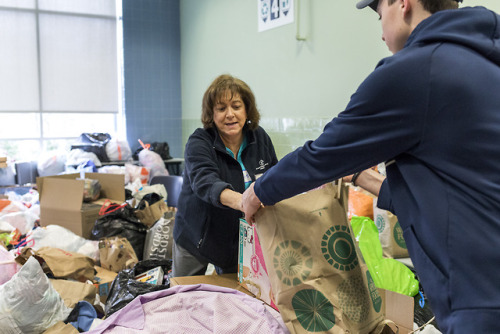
(274, 13)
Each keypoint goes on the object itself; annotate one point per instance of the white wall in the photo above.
(289, 77)
(300, 83)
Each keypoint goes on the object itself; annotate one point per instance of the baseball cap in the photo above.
(363, 3)
(374, 3)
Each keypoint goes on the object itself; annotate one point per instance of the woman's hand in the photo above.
(250, 204)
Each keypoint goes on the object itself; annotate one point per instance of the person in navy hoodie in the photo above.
(221, 160)
(431, 112)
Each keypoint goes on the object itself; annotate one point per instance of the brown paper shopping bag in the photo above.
(150, 214)
(61, 263)
(390, 233)
(318, 280)
(116, 253)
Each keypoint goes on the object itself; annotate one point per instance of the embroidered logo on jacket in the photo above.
(262, 165)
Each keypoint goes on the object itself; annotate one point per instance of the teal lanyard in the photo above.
(246, 176)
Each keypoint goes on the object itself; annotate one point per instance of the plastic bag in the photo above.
(77, 157)
(52, 164)
(118, 150)
(134, 173)
(120, 220)
(95, 143)
(29, 302)
(155, 188)
(91, 189)
(387, 273)
(154, 162)
(24, 221)
(162, 148)
(125, 288)
(60, 237)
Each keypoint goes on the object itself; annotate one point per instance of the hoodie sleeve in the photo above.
(384, 118)
(202, 169)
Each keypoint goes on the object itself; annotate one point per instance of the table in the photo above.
(174, 165)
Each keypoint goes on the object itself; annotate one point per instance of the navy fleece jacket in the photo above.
(432, 113)
(203, 226)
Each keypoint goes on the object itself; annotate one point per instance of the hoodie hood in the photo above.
(476, 28)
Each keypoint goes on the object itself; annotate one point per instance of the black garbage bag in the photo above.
(125, 287)
(162, 148)
(94, 143)
(120, 220)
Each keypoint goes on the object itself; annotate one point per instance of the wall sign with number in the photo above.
(274, 13)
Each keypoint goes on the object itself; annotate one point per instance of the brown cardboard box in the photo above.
(398, 308)
(61, 200)
(224, 280)
(103, 279)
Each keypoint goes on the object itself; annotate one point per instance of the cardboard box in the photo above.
(103, 279)
(224, 280)
(61, 200)
(398, 308)
(252, 272)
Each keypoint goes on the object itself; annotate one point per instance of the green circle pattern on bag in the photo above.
(313, 310)
(292, 262)
(398, 236)
(380, 222)
(353, 299)
(338, 248)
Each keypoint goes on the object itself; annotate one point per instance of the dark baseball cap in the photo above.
(374, 3)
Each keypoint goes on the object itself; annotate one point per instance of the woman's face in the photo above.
(230, 115)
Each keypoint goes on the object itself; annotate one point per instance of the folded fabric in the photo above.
(199, 308)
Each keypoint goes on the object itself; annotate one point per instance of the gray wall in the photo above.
(299, 86)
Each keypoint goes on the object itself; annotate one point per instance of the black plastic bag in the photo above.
(120, 220)
(94, 143)
(162, 148)
(125, 288)
(150, 198)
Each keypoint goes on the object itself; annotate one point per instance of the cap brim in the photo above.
(364, 3)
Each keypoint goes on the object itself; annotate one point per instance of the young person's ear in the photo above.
(405, 6)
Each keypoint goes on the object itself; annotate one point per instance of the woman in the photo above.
(221, 161)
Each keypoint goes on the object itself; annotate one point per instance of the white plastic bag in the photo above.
(134, 172)
(118, 150)
(8, 206)
(154, 162)
(51, 163)
(77, 157)
(24, 221)
(29, 303)
(155, 188)
(60, 237)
